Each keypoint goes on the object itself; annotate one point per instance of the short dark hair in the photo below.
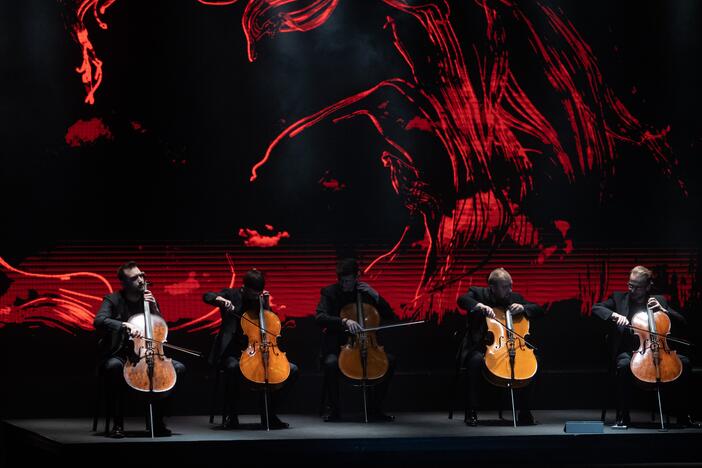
(255, 279)
(347, 266)
(127, 266)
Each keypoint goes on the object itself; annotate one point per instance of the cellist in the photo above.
(114, 347)
(618, 310)
(478, 303)
(335, 331)
(230, 341)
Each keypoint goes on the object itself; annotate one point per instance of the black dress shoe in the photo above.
(471, 419)
(274, 422)
(162, 431)
(623, 421)
(332, 416)
(526, 419)
(231, 422)
(378, 415)
(687, 421)
(117, 432)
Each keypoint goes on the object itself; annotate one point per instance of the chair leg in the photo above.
(213, 400)
(108, 411)
(452, 393)
(225, 398)
(323, 397)
(98, 400)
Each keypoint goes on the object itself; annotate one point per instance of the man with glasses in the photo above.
(618, 310)
(478, 303)
(114, 346)
(230, 341)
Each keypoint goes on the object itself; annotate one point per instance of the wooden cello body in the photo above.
(152, 371)
(262, 361)
(653, 362)
(362, 358)
(508, 359)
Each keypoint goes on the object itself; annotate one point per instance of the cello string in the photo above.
(394, 325)
(673, 339)
(517, 334)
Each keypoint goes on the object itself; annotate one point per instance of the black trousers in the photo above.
(474, 363)
(116, 387)
(378, 392)
(230, 366)
(676, 395)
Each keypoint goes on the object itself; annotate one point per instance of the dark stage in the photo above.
(414, 439)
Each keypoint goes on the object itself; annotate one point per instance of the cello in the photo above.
(151, 371)
(262, 362)
(510, 361)
(654, 362)
(362, 358)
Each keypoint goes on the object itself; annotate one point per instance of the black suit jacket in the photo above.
(113, 339)
(621, 339)
(476, 326)
(331, 301)
(229, 340)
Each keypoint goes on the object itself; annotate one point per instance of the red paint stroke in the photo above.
(389, 253)
(137, 126)
(419, 123)
(267, 18)
(206, 321)
(253, 238)
(330, 183)
(187, 286)
(59, 307)
(562, 226)
(68, 301)
(90, 69)
(87, 131)
(480, 115)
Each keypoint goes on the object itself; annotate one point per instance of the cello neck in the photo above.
(651, 320)
(359, 308)
(148, 331)
(261, 318)
(509, 323)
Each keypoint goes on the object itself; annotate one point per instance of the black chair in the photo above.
(611, 382)
(460, 371)
(101, 400)
(219, 374)
(453, 389)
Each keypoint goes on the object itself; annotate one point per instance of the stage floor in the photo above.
(414, 439)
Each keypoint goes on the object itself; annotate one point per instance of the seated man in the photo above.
(115, 347)
(230, 342)
(478, 303)
(336, 331)
(618, 310)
